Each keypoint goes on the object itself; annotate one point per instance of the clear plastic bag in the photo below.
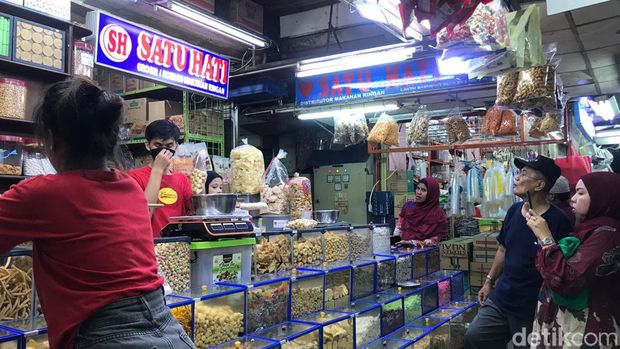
(456, 127)
(492, 120)
(418, 128)
(551, 122)
(385, 131)
(275, 191)
(525, 36)
(185, 157)
(536, 88)
(300, 197)
(350, 129)
(248, 167)
(508, 125)
(507, 88)
(202, 164)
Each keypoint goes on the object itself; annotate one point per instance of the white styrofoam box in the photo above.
(56, 8)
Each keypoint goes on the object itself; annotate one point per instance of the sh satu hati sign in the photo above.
(126, 47)
(372, 82)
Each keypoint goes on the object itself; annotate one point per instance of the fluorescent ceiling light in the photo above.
(353, 60)
(453, 66)
(608, 133)
(215, 24)
(347, 111)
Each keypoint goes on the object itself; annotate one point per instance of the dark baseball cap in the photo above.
(544, 165)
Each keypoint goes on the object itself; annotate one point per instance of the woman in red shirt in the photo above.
(93, 253)
(423, 221)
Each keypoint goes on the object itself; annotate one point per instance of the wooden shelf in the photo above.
(29, 71)
(16, 127)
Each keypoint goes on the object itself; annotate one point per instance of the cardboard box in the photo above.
(480, 267)
(247, 13)
(401, 182)
(137, 111)
(205, 5)
(399, 201)
(132, 84)
(486, 242)
(454, 263)
(146, 84)
(478, 273)
(160, 110)
(484, 256)
(461, 247)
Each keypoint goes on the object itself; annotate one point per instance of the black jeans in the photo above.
(143, 322)
(492, 329)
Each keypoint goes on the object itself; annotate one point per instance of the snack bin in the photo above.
(248, 342)
(412, 301)
(308, 248)
(455, 329)
(367, 321)
(11, 152)
(336, 329)
(460, 323)
(430, 294)
(361, 242)
(437, 329)
(83, 59)
(173, 262)
(417, 335)
(182, 308)
(392, 315)
(9, 339)
(292, 335)
(364, 279)
(32, 331)
(307, 291)
(13, 99)
(404, 265)
(218, 314)
(273, 252)
(386, 272)
(337, 284)
(387, 343)
(381, 234)
(457, 283)
(433, 260)
(419, 262)
(337, 245)
(19, 285)
(221, 261)
(469, 311)
(444, 287)
(267, 301)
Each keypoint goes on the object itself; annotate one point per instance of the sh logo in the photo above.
(115, 42)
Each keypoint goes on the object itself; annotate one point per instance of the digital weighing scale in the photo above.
(221, 247)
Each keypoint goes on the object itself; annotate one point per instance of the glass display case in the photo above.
(336, 328)
(32, 332)
(419, 337)
(182, 309)
(392, 315)
(430, 298)
(18, 291)
(364, 279)
(9, 339)
(267, 302)
(444, 287)
(292, 335)
(337, 284)
(218, 314)
(457, 282)
(420, 264)
(412, 301)
(273, 253)
(248, 342)
(367, 321)
(439, 331)
(386, 272)
(404, 265)
(361, 242)
(386, 343)
(308, 248)
(173, 262)
(306, 292)
(433, 260)
(337, 245)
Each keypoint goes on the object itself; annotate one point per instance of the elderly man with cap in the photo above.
(559, 196)
(508, 306)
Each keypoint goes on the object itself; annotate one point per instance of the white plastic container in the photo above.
(221, 261)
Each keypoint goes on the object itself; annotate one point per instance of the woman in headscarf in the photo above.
(214, 183)
(423, 221)
(579, 302)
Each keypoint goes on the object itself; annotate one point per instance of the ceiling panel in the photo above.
(608, 73)
(575, 78)
(601, 34)
(552, 23)
(596, 12)
(571, 62)
(605, 56)
(565, 39)
(610, 86)
(584, 90)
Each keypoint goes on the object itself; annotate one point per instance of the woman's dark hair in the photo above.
(83, 117)
(163, 129)
(211, 175)
(562, 196)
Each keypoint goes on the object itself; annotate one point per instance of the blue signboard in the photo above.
(136, 50)
(372, 82)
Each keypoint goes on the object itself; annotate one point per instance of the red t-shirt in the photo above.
(175, 194)
(91, 243)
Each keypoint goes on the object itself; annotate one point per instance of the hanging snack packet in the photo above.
(536, 88)
(275, 190)
(350, 129)
(248, 167)
(385, 131)
(418, 128)
(457, 128)
(492, 120)
(507, 88)
(508, 125)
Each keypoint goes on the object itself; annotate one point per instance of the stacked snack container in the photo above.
(18, 294)
(336, 328)
(420, 263)
(292, 335)
(444, 294)
(457, 283)
(386, 272)
(392, 315)
(412, 302)
(173, 262)
(9, 339)
(429, 297)
(386, 343)
(337, 284)
(249, 343)
(417, 335)
(182, 309)
(273, 253)
(361, 242)
(308, 248)
(438, 331)
(218, 315)
(32, 331)
(337, 245)
(307, 290)
(404, 265)
(364, 279)
(367, 321)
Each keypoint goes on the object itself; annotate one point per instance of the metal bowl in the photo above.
(326, 216)
(214, 204)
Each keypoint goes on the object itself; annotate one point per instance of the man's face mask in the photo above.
(155, 151)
